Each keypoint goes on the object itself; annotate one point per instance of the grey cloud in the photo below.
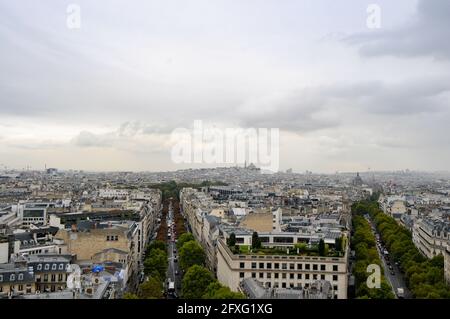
(89, 139)
(324, 107)
(299, 111)
(136, 137)
(406, 98)
(426, 34)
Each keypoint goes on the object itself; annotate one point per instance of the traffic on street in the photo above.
(391, 270)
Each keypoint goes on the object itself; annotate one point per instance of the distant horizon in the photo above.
(304, 172)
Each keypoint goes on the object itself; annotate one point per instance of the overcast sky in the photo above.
(107, 96)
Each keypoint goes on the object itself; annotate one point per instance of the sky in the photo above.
(107, 96)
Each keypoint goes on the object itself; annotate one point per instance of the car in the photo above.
(176, 272)
(175, 259)
(392, 273)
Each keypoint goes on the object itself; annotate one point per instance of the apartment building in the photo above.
(447, 264)
(51, 271)
(431, 236)
(281, 271)
(88, 241)
(16, 279)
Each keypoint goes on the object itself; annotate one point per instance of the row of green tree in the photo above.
(364, 244)
(172, 188)
(424, 277)
(198, 282)
(155, 268)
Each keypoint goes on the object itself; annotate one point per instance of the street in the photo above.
(173, 270)
(391, 271)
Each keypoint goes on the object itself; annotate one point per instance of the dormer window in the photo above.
(47, 266)
(61, 266)
(20, 277)
(12, 277)
(39, 267)
(54, 267)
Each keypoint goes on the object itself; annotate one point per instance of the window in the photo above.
(107, 238)
(291, 266)
(315, 267)
(299, 266)
(307, 266)
(253, 274)
(53, 277)
(269, 275)
(269, 266)
(299, 276)
(322, 277)
(12, 277)
(242, 265)
(277, 266)
(20, 288)
(291, 276)
(20, 277)
(60, 277)
(261, 265)
(261, 275)
(61, 266)
(322, 267)
(284, 266)
(1, 278)
(39, 267)
(241, 275)
(276, 275)
(283, 275)
(253, 265)
(335, 267)
(315, 276)
(45, 277)
(47, 266)
(283, 285)
(54, 267)
(307, 276)
(116, 238)
(335, 277)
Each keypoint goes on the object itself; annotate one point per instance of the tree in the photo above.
(156, 261)
(302, 247)
(322, 248)
(191, 253)
(256, 242)
(339, 244)
(215, 290)
(151, 289)
(129, 295)
(196, 281)
(157, 244)
(231, 242)
(186, 237)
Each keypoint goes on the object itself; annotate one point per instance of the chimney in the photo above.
(74, 227)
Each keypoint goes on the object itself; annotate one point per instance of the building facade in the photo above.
(281, 271)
